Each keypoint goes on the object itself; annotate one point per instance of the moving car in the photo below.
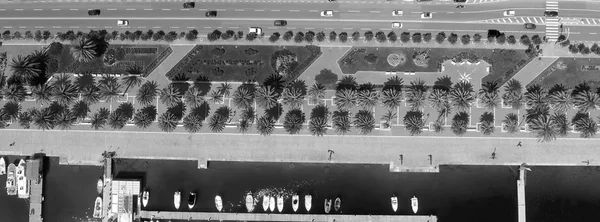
(280, 23)
(327, 13)
(457, 1)
(123, 23)
(396, 25)
(550, 13)
(211, 14)
(423, 0)
(397, 12)
(426, 15)
(256, 30)
(529, 26)
(189, 5)
(509, 13)
(94, 12)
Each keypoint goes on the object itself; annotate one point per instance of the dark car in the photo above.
(529, 26)
(457, 1)
(550, 13)
(94, 12)
(493, 33)
(189, 5)
(280, 22)
(211, 14)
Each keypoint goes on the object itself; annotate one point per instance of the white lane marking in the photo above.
(130, 9)
(55, 9)
(347, 28)
(73, 27)
(141, 27)
(1, 9)
(37, 9)
(312, 10)
(529, 19)
(259, 10)
(156, 27)
(111, 9)
(309, 28)
(374, 11)
(365, 28)
(8, 27)
(206, 27)
(221, 10)
(39, 27)
(271, 28)
(291, 28)
(592, 33)
(166, 9)
(191, 27)
(353, 11)
(174, 27)
(450, 12)
(148, 9)
(74, 9)
(55, 27)
(275, 10)
(18, 9)
(239, 10)
(22, 27)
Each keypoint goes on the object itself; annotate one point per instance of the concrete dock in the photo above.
(521, 193)
(35, 182)
(170, 215)
(107, 190)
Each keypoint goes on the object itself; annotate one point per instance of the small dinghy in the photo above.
(177, 199)
(145, 197)
(266, 203)
(98, 208)
(2, 166)
(327, 205)
(295, 202)
(338, 204)
(414, 202)
(272, 204)
(99, 186)
(218, 203)
(308, 202)
(249, 202)
(394, 202)
(280, 203)
(192, 200)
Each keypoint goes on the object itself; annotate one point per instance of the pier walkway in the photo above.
(521, 194)
(36, 196)
(107, 190)
(170, 215)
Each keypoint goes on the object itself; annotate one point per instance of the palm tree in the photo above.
(83, 49)
(416, 94)
(117, 120)
(367, 98)
(413, 121)
(147, 93)
(511, 121)
(110, 91)
(293, 121)
(438, 126)
(224, 89)
(265, 125)
(244, 125)
(345, 99)
(65, 93)
(131, 80)
(460, 122)
(142, 119)
(11, 110)
(461, 96)
(438, 99)
(317, 126)
(316, 92)
(561, 101)
(217, 122)
(65, 119)
(545, 129)
(248, 114)
(25, 118)
(292, 97)
(388, 117)
(170, 96)
(586, 126)
(90, 95)
(341, 122)
(42, 93)
(26, 68)
(15, 92)
(80, 110)
(167, 122)
(536, 96)
(192, 123)
(487, 123)
(488, 94)
(561, 121)
(513, 94)
(266, 97)
(391, 98)
(99, 119)
(586, 100)
(364, 121)
(44, 119)
(193, 97)
(243, 98)
(216, 97)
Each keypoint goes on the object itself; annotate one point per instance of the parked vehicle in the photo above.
(122, 23)
(327, 13)
(529, 26)
(426, 15)
(550, 13)
(211, 14)
(189, 5)
(280, 23)
(256, 30)
(396, 25)
(397, 12)
(94, 12)
(509, 13)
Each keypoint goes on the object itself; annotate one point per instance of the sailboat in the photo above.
(218, 203)
(295, 202)
(307, 202)
(272, 204)
(145, 197)
(338, 204)
(99, 186)
(327, 205)
(2, 166)
(394, 202)
(280, 203)
(22, 192)
(98, 208)
(265, 203)
(192, 200)
(414, 202)
(11, 180)
(177, 199)
(249, 202)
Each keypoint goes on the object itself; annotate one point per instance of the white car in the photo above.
(397, 12)
(327, 13)
(122, 23)
(256, 30)
(396, 25)
(509, 13)
(426, 15)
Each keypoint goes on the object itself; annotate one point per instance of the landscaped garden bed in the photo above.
(243, 63)
(570, 72)
(505, 63)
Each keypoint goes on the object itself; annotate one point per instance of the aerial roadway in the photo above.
(580, 19)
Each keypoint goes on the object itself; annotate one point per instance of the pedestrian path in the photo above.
(552, 23)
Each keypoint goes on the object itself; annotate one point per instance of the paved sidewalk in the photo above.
(533, 69)
(158, 75)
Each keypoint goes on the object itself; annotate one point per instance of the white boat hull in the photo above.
(266, 203)
(218, 203)
(99, 186)
(295, 202)
(22, 190)
(98, 208)
(272, 204)
(414, 202)
(280, 203)
(193, 203)
(308, 202)
(327, 205)
(338, 204)
(249, 203)
(2, 166)
(177, 199)
(145, 198)
(395, 204)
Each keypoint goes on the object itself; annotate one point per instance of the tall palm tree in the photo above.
(216, 97)
(80, 110)
(110, 92)
(317, 126)
(460, 123)
(90, 95)
(83, 49)
(488, 94)
(193, 97)
(586, 126)
(224, 89)
(131, 80)
(391, 98)
(561, 121)
(167, 122)
(15, 92)
(438, 126)
(142, 119)
(249, 114)
(42, 93)
(117, 120)
(536, 96)
(545, 129)
(561, 101)
(513, 94)
(244, 125)
(266, 97)
(487, 123)
(413, 121)
(99, 119)
(586, 101)
(438, 99)
(364, 121)
(65, 119)
(316, 93)
(170, 96)
(26, 68)
(12, 110)
(367, 98)
(192, 123)
(217, 123)
(65, 93)
(461, 96)
(511, 121)
(416, 94)
(243, 98)
(293, 121)
(345, 99)
(265, 125)
(292, 97)
(44, 119)
(147, 93)
(341, 122)
(388, 117)
(26, 117)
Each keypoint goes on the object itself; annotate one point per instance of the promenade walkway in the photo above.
(283, 217)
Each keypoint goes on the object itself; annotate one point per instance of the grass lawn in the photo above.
(239, 63)
(505, 63)
(569, 72)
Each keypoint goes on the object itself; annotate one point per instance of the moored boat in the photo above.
(145, 197)
(98, 208)
(272, 204)
(338, 204)
(177, 199)
(99, 185)
(295, 202)
(308, 202)
(249, 202)
(218, 203)
(414, 202)
(265, 203)
(2, 166)
(394, 202)
(280, 203)
(11, 180)
(327, 205)
(192, 200)
(22, 192)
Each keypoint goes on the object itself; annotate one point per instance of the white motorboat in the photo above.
(99, 186)
(295, 202)
(280, 203)
(308, 202)
(145, 197)
(265, 203)
(2, 166)
(338, 204)
(11, 180)
(414, 202)
(177, 199)
(327, 205)
(218, 203)
(98, 208)
(394, 203)
(249, 202)
(192, 200)
(22, 191)
(272, 204)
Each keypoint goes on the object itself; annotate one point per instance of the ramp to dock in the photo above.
(35, 184)
(521, 194)
(170, 215)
